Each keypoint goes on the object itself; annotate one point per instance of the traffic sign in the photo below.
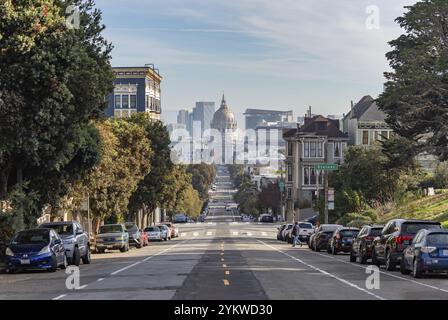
(330, 205)
(326, 167)
(281, 185)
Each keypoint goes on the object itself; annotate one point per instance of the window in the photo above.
(289, 148)
(289, 193)
(313, 149)
(289, 172)
(117, 101)
(384, 135)
(311, 176)
(125, 101)
(147, 101)
(133, 102)
(338, 149)
(365, 137)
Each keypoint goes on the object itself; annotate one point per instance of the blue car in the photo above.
(428, 253)
(40, 249)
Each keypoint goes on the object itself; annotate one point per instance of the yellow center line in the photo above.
(226, 282)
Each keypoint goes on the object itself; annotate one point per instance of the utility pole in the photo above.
(326, 197)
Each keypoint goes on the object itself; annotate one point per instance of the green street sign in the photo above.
(326, 167)
(281, 185)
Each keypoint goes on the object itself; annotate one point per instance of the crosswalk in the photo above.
(231, 232)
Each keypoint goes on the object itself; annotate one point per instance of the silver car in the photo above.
(75, 240)
(166, 232)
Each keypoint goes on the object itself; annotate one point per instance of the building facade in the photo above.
(366, 124)
(136, 89)
(318, 141)
(259, 117)
(203, 113)
(224, 122)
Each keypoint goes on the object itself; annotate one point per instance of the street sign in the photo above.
(281, 185)
(326, 167)
(330, 205)
(330, 194)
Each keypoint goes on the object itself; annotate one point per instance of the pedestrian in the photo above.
(295, 234)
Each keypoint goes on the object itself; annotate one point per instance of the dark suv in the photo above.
(323, 235)
(342, 240)
(362, 245)
(396, 236)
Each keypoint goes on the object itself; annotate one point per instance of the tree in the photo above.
(150, 193)
(441, 175)
(270, 197)
(416, 92)
(53, 81)
(125, 161)
(202, 176)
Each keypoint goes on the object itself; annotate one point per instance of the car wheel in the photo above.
(138, 245)
(100, 250)
(403, 268)
(416, 271)
(76, 257)
(87, 258)
(375, 260)
(54, 264)
(64, 263)
(390, 265)
(11, 271)
(329, 250)
(123, 249)
(362, 256)
(352, 256)
(334, 251)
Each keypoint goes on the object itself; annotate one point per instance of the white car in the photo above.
(306, 230)
(166, 232)
(154, 233)
(286, 232)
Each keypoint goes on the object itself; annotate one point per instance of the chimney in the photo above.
(309, 112)
(352, 105)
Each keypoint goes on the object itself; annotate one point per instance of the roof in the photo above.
(330, 130)
(366, 110)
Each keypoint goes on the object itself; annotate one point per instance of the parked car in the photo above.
(280, 232)
(306, 229)
(41, 249)
(342, 240)
(323, 235)
(428, 253)
(266, 218)
(174, 230)
(75, 240)
(112, 237)
(362, 245)
(166, 232)
(180, 218)
(396, 236)
(154, 233)
(135, 236)
(285, 233)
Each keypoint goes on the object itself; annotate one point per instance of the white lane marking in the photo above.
(263, 233)
(183, 234)
(195, 234)
(249, 234)
(59, 297)
(125, 268)
(235, 233)
(81, 287)
(385, 273)
(324, 272)
(100, 279)
(209, 233)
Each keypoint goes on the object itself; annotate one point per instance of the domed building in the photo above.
(224, 121)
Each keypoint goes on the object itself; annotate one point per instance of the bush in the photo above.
(354, 219)
(441, 175)
(445, 224)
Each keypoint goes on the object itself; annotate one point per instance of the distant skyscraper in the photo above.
(203, 112)
(182, 116)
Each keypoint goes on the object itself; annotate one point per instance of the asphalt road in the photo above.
(222, 259)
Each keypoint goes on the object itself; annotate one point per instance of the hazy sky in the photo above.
(280, 54)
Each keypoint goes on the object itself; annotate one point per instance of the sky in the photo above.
(272, 54)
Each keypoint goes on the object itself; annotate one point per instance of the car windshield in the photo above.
(375, 232)
(413, 228)
(289, 226)
(438, 239)
(306, 225)
(131, 228)
(62, 229)
(162, 227)
(32, 237)
(349, 233)
(113, 228)
(152, 229)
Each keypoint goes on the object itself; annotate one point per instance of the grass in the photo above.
(427, 208)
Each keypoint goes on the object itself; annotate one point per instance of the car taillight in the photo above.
(402, 239)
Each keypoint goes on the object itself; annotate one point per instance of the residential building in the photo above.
(318, 141)
(257, 117)
(203, 112)
(366, 123)
(136, 89)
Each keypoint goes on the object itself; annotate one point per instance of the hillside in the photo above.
(431, 208)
